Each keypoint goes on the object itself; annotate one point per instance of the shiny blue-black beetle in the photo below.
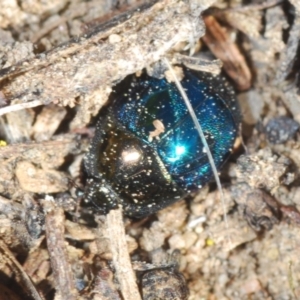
(146, 153)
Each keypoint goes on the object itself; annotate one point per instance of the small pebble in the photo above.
(281, 129)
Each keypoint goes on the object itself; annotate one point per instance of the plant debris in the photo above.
(58, 65)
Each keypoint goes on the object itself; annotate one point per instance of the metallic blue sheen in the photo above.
(143, 172)
(160, 100)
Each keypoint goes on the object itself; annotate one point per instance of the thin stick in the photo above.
(7, 256)
(203, 139)
(61, 267)
(121, 258)
(20, 106)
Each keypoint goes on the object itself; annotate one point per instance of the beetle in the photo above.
(146, 153)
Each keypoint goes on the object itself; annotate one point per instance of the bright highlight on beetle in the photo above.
(146, 143)
(179, 151)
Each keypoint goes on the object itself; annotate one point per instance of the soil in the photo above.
(58, 65)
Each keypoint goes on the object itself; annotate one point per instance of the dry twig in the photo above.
(121, 258)
(85, 69)
(19, 106)
(220, 44)
(62, 271)
(8, 257)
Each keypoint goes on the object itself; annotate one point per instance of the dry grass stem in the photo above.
(121, 258)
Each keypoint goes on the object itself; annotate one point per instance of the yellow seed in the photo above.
(209, 242)
(3, 143)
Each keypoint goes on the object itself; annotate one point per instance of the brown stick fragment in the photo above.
(104, 289)
(62, 271)
(199, 64)
(220, 44)
(121, 258)
(84, 69)
(63, 144)
(8, 257)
